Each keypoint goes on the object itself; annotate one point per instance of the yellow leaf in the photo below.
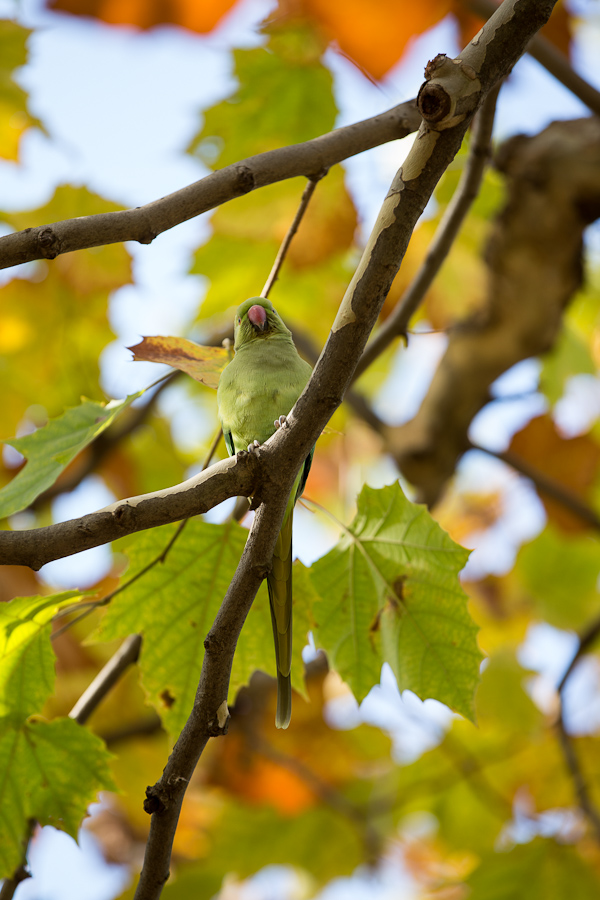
(205, 364)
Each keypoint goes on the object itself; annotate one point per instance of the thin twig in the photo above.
(581, 788)
(353, 398)
(585, 642)
(89, 606)
(106, 678)
(285, 244)
(566, 742)
(447, 231)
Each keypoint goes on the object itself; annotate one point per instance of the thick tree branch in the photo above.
(550, 57)
(144, 223)
(448, 100)
(228, 478)
(534, 265)
(446, 233)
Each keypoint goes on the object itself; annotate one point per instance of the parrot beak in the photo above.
(258, 317)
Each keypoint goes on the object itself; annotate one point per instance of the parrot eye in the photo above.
(239, 320)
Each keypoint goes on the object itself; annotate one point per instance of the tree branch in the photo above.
(533, 257)
(144, 223)
(106, 678)
(550, 57)
(566, 742)
(285, 244)
(448, 101)
(446, 233)
(227, 478)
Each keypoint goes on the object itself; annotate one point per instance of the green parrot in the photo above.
(257, 389)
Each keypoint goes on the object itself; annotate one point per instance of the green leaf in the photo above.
(501, 698)
(301, 106)
(556, 566)
(14, 115)
(50, 449)
(389, 592)
(174, 606)
(26, 656)
(541, 870)
(569, 356)
(231, 285)
(50, 772)
(55, 324)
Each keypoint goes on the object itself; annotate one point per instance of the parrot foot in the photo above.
(253, 446)
(280, 422)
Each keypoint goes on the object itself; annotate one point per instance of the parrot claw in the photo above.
(253, 446)
(280, 422)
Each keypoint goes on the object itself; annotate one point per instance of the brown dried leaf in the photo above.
(573, 462)
(205, 364)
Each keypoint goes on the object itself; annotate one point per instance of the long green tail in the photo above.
(279, 583)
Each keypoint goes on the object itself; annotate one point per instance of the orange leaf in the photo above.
(263, 770)
(572, 462)
(373, 35)
(557, 30)
(205, 364)
(201, 17)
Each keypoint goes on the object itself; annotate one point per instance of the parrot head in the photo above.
(256, 319)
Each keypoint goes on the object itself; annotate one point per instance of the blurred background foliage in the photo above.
(403, 796)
